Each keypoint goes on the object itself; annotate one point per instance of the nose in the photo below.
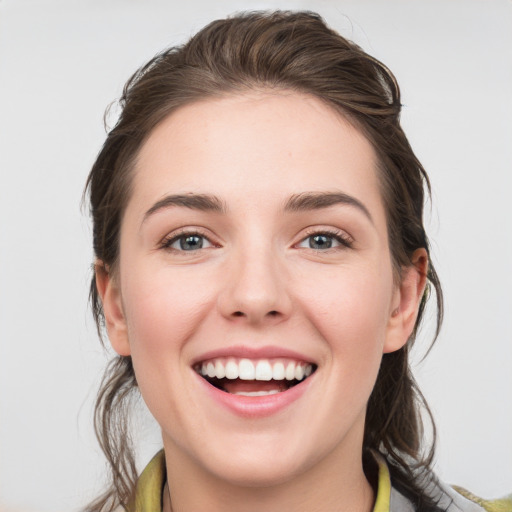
(255, 289)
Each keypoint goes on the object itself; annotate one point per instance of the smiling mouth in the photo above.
(248, 377)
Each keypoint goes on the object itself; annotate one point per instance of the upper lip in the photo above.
(248, 352)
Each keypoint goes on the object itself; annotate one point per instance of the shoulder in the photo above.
(444, 498)
(498, 505)
(450, 499)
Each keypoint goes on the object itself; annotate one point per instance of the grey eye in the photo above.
(192, 242)
(323, 241)
(320, 241)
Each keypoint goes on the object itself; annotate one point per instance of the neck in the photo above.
(337, 483)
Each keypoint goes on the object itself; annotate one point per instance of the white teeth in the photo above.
(278, 371)
(257, 393)
(232, 370)
(220, 371)
(263, 370)
(210, 370)
(290, 371)
(247, 369)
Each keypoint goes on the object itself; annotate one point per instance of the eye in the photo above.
(324, 240)
(187, 242)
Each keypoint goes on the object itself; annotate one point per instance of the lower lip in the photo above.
(256, 406)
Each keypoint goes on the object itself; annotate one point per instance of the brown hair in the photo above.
(281, 50)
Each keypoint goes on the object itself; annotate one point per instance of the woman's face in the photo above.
(254, 244)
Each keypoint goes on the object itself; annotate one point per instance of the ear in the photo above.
(115, 322)
(406, 301)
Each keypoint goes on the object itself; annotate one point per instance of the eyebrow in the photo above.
(318, 200)
(296, 203)
(202, 202)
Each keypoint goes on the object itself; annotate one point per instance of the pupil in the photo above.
(191, 242)
(320, 242)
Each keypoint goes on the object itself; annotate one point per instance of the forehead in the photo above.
(257, 146)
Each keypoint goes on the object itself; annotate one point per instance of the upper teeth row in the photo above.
(263, 369)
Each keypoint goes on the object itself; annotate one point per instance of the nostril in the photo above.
(272, 313)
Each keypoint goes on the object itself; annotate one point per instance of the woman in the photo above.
(262, 269)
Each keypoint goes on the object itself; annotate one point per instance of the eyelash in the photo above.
(345, 241)
(168, 241)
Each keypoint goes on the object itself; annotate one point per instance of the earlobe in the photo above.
(115, 322)
(407, 299)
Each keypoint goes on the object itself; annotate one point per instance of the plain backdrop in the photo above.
(62, 62)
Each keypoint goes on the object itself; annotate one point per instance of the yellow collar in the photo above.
(148, 494)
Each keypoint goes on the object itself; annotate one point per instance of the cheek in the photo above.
(163, 308)
(350, 310)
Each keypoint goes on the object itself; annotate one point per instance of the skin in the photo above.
(257, 282)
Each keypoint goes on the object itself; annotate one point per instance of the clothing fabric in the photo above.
(150, 485)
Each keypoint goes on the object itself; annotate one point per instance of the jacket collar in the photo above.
(148, 494)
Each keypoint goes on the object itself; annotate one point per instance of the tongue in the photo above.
(248, 386)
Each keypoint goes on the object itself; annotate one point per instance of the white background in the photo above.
(62, 62)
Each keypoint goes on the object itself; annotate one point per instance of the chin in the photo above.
(263, 459)
(257, 473)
